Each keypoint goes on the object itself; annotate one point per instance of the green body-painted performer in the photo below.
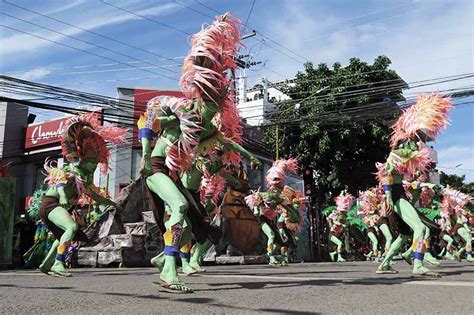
(448, 249)
(457, 220)
(266, 207)
(419, 194)
(186, 128)
(290, 220)
(338, 224)
(370, 202)
(409, 156)
(84, 146)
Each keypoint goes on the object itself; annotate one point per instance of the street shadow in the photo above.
(36, 287)
(196, 300)
(121, 274)
(297, 273)
(289, 312)
(276, 284)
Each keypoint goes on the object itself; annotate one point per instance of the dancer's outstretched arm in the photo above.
(231, 145)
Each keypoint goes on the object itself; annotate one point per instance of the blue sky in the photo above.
(424, 39)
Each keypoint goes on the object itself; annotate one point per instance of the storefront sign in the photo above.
(44, 134)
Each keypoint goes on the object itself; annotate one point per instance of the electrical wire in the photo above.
(90, 32)
(94, 45)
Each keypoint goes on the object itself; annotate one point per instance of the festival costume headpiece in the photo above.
(454, 202)
(83, 137)
(203, 78)
(419, 123)
(428, 115)
(212, 53)
(276, 174)
(204, 75)
(370, 200)
(344, 202)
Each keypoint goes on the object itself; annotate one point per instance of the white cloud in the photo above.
(34, 74)
(457, 160)
(25, 44)
(68, 6)
(423, 40)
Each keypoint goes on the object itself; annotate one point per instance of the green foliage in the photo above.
(342, 130)
(354, 220)
(328, 210)
(456, 182)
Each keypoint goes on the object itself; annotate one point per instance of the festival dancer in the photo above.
(370, 203)
(338, 224)
(83, 143)
(265, 204)
(409, 156)
(291, 219)
(452, 207)
(448, 250)
(185, 129)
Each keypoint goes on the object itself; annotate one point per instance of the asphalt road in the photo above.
(306, 288)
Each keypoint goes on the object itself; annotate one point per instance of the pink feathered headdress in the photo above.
(370, 200)
(454, 201)
(344, 202)
(84, 136)
(276, 174)
(211, 55)
(429, 115)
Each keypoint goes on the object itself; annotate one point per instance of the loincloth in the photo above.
(48, 204)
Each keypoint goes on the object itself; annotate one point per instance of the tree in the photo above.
(456, 182)
(337, 123)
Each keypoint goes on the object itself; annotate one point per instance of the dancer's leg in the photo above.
(449, 247)
(466, 236)
(284, 249)
(48, 261)
(184, 253)
(393, 250)
(408, 214)
(270, 243)
(388, 237)
(197, 253)
(428, 256)
(164, 187)
(62, 219)
(339, 245)
(375, 243)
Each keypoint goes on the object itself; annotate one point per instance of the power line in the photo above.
(194, 10)
(89, 31)
(101, 65)
(250, 13)
(260, 33)
(92, 44)
(144, 17)
(84, 51)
